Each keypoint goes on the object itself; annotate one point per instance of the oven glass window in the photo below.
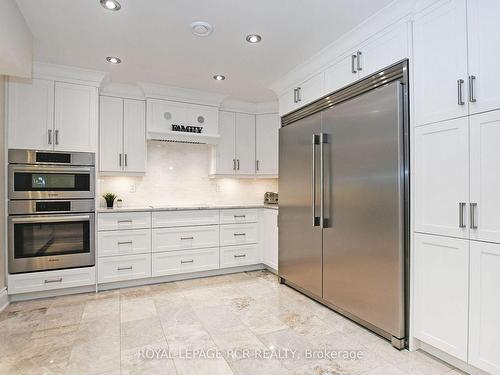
(26, 181)
(49, 239)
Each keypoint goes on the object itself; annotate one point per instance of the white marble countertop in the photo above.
(184, 207)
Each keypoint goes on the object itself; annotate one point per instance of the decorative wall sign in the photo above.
(186, 129)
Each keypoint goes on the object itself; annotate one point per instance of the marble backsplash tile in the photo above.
(177, 174)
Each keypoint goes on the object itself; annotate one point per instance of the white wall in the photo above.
(177, 174)
(16, 41)
(2, 185)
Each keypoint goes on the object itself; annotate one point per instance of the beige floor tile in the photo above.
(97, 309)
(202, 367)
(139, 333)
(134, 362)
(137, 309)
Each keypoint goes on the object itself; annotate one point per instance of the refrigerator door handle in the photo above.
(315, 142)
(322, 141)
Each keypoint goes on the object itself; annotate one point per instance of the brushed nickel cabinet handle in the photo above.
(239, 234)
(237, 216)
(59, 280)
(120, 159)
(234, 164)
(187, 238)
(124, 268)
(295, 95)
(257, 165)
(460, 83)
(126, 163)
(353, 64)
(240, 256)
(238, 164)
(57, 136)
(187, 261)
(125, 242)
(461, 209)
(358, 60)
(472, 94)
(50, 136)
(473, 224)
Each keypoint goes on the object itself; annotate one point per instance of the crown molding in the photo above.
(387, 16)
(68, 74)
(179, 94)
(233, 105)
(123, 90)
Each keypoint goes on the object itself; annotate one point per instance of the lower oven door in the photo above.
(49, 242)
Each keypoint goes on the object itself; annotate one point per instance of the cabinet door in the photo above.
(30, 111)
(75, 117)
(203, 116)
(225, 151)
(245, 143)
(442, 178)
(441, 289)
(134, 136)
(287, 102)
(384, 50)
(484, 39)
(311, 89)
(270, 238)
(484, 325)
(110, 134)
(440, 60)
(266, 144)
(341, 74)
(485, 176)
(163, 113)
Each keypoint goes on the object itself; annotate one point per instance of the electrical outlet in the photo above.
(132, 188)
(217, 188)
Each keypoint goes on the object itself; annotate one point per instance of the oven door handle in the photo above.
(50, 219)
(54, 169)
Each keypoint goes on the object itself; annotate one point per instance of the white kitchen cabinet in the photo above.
(123, 242)
(484, 39)
(341, 74)
(123, 220)
(269, 241)
(180, 238)
(440, 62)
(242, 255)
(485, 176)
(235, 152)
(123, 268)
(75, 117)
(303, 94)
(177, 262)
(442, 178)
(30, 113)
(441, 293)
(484, 325)
(122, 135)
(384, 49)
(266, 144)
(110, 134)
(245, 144)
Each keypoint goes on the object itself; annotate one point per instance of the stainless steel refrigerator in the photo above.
(343, 218)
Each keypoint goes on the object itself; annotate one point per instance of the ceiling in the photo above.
(154, 40)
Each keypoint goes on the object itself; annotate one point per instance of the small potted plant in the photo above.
(110, 199)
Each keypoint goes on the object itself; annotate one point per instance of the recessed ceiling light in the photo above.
(113, 60)
(201, 28)
(219, 77)
(111, 4)
(254, 38)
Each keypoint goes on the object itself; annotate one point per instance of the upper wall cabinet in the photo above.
(455, 54)
(165, 116)
(376, 53)
(48, 115)
(484, 53)
(440, 62)
(266, 144)
(122, 135)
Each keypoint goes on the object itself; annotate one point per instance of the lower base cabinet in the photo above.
(441, 293)
(242, 255)
(484, 324)
(124, 267)
(183, 261)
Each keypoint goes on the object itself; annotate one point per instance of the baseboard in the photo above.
(51, 293)
(271, 269)
(458, 363)
(4, 299)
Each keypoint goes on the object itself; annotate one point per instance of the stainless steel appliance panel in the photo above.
(18, 156)
(47, 242)
(300, 252)
(363, 238)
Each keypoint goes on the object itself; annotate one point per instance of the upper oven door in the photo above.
(54, 182)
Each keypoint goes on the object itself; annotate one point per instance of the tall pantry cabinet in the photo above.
(457, 175)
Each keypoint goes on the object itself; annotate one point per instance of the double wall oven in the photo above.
(51, 222)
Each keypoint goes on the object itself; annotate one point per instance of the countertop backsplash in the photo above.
(177, 174)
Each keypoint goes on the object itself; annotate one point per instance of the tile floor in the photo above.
(153, 329)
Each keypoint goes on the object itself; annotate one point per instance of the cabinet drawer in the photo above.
(124, 220)
(126, 267)
(124, 242)
(232, 216)
(242, 255)
(50, 280)
(238, 234)
(174, 262)
(169, 239)
(163, 219)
